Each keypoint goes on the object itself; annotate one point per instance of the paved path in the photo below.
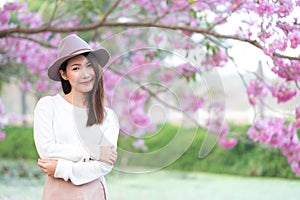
(170, 185)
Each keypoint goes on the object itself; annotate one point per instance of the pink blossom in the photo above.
(33, 19)
(285, 27)
(151, 53)
(158, 39)
(267, 131)
(283, 11)
(275, 133)
(294, 39)
(183, 44)
(2, 121)
(169, 19)
(286, 69)
(2, 135)
(187, 70)
(269, 50)
(281, 44)
(283, 93)
(54, 88)
(179, 4)
(4, 16)
(256, 89)
(265, 8)
(201, 5)
(297, 111)
(192, 102)
(297, 114)
(295, 167)
(148, 5)
(139, 118)
(25, 86)
(297, 123)
(140, 144)
(138, 59)
(111, 80)
(227, 143)
(42, 85)
(167, 76)
(107, 34)
(134, 99)
(187, 33)
(12, 6)
(217, 127)
(218, 59)
(235, 5)
(2, 108)
(220, 19)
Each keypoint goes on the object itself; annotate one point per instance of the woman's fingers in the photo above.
(113, 158)
(41, 164)
(108, 154)
(47, 166)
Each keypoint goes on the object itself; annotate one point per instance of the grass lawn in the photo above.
(173, 185)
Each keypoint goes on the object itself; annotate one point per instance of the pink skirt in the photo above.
(59, 189)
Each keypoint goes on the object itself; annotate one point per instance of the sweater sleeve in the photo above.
(111, 131)
(44, 137)
(83, 172)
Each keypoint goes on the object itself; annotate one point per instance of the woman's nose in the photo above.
(86, 72)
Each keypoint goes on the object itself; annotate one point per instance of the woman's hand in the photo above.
(108, 154)
(48, 166)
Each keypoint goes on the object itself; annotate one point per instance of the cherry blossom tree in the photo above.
(145, 37)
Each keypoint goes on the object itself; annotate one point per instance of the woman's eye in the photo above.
(75, 68)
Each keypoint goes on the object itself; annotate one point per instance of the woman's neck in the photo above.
(77, 99)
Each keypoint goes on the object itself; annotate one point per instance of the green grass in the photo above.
(167, 185)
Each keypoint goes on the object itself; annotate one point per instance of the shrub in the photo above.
(243, 159)
(18, 144)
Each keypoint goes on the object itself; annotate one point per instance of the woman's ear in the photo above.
(63, 74)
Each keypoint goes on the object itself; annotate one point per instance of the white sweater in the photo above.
(60, 133)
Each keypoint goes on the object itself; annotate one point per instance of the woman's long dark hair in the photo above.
(94, 99)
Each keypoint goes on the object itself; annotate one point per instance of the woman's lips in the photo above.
(86, 82)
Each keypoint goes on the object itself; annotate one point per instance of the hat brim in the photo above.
(102, 56)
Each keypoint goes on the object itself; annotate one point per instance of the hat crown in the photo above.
(71, 44)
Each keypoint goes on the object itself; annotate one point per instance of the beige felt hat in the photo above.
(70, 46)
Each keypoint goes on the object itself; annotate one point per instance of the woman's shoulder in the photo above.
(46, 101)
(111, 115)
(108, 110)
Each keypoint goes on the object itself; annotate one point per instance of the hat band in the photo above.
(79, 50)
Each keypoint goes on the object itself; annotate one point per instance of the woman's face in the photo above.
(80, 73)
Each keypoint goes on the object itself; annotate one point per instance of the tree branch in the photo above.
(110, 11)
(44, 44)
(53, 14)
(9, 31)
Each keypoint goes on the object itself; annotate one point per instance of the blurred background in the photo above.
(159, 146)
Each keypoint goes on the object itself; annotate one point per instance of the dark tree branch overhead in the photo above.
(42, 43)
(102, 23)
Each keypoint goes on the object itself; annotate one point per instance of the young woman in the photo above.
(75, 135)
